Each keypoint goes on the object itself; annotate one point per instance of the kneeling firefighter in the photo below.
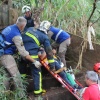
(32, 40)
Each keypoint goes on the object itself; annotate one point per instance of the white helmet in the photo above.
(44, 26)
(25, 9)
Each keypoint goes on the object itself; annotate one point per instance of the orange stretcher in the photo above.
(65, 84)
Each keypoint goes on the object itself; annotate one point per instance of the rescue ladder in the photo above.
(65, 84)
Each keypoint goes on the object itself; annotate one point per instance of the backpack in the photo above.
(2, 45)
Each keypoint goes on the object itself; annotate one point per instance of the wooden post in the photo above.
(4, 14)
(9, 12)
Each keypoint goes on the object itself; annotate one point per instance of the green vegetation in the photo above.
(70, 15)
(19, 93)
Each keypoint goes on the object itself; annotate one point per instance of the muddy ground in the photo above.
(90, 57)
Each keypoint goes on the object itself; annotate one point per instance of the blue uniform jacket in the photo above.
(59, 35)
(30, 23)
(8, 33)
(32, 47)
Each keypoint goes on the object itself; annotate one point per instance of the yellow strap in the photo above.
(51, 61)
(55, 57)
(33, 37)
(35, 56)
(45, 60)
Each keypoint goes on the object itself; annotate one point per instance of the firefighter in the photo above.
(26, 10)
(33, 39)
(61, 40)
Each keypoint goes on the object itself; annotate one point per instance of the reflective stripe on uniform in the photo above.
(58, 35)
(55, 57)
(51, 61)
(23, 75)
(40, 85)
(33, 37)
(7, 43)
(35, 56)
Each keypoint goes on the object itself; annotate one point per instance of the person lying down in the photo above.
(65, 75)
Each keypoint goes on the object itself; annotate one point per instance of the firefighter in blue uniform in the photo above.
(32, 40)
(26, 10)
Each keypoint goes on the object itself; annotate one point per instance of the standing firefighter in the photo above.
(61, 38)
(32, 40)
(26, 10)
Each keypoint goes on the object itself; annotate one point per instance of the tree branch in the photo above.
(94, 7)
(96, 20)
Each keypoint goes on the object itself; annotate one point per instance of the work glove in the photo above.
(37, 64)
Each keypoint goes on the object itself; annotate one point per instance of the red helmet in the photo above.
(96, 67)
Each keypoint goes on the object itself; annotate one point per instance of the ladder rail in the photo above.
(66, 85)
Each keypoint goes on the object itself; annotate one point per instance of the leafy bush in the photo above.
(19, 93)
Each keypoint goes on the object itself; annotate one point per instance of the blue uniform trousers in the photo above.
(37, 77)
(62, 74)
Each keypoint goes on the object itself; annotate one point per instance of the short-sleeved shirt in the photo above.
(92, 93)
